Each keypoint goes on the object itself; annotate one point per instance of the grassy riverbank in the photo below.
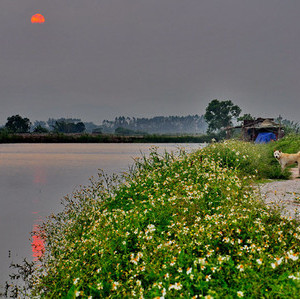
(178, 226)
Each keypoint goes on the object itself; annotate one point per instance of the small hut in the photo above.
(259, 130)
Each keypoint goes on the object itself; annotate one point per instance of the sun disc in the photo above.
(37, 18)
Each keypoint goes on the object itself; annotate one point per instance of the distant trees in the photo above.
(68, 127)
(51, 121)
(63, 125)
(123, 131)
(39, 124)
(219, 114)
(190, 124)
(18, 124)
(40, 129)
(90, 127)
(246, 116)
(288, 125)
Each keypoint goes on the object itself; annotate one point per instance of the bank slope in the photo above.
(178, 226)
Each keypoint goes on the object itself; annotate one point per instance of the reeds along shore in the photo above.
(186, 225)
(100, 138)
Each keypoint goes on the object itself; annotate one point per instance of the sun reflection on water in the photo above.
(37, 244)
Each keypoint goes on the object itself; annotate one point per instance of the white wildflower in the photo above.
(259, 261)
(240, 267)
(176, 286)
(292, 255)
(189, 270)
(115, 285)
(76, 281)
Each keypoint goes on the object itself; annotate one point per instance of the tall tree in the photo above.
(219, 114)
(18, 124)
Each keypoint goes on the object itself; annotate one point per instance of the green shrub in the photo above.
(289, 144)
(248, 158)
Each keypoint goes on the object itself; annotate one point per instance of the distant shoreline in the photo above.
(100, 138)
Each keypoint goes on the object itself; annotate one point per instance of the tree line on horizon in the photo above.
(218, 116)
(19, 124)
(191, 124)
(120, 125)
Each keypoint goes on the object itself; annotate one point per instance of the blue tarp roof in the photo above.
(265, 137)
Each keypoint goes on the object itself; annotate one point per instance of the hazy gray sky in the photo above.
(97, 59)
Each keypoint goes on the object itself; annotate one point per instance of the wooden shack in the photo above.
(251, 128)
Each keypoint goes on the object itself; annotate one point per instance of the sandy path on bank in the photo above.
(283, 194)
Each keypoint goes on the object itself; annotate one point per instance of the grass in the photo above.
(249, 158)
(175, 226)
(290, 144)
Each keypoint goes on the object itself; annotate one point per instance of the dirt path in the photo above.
(283, 194)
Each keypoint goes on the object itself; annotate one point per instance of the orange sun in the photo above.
(37, 18)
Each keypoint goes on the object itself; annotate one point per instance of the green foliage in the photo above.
(246, 116)
(174, 226)
(289, 144)
(124, 131)
(219, 114)
(4, 133)
(40, 129)
(68, 127)
(18, 124)
(248, 158)
(290, 127)
(97, 131)
(79, 127)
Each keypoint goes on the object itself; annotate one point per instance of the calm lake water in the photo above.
(35, 177)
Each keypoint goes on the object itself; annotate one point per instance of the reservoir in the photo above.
(35, 177)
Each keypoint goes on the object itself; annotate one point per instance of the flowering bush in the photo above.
(176, 226)
(248, 158)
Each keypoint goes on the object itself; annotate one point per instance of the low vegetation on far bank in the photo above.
(6, 137)
(185, 225)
